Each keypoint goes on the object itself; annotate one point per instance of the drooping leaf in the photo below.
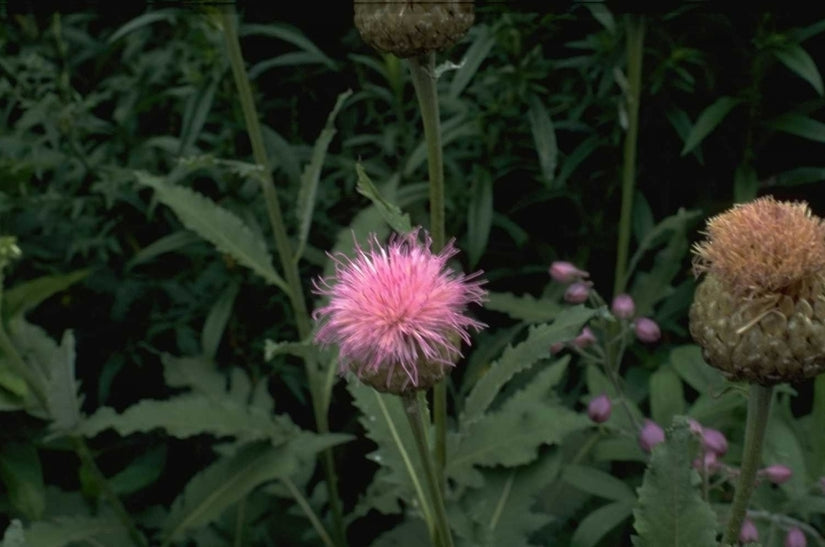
(707, 121)
(521, 357)
(512, 435)
(195, 112)
(312, 174)
(166, 244)
(143, 20)
(800, 62)
(64, 531)
(479, 215)
(597, 482)
(670, 510)
(687, 361)
(476, 53)
(22, 475)
(398, 220)
(141, 472)
(28, 295)
(544, 137)
(290, 35)
(799, 125)
(228, 233)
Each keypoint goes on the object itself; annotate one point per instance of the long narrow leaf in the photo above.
(799, 125)
(312, 174)
(798, 61)
(707, 121)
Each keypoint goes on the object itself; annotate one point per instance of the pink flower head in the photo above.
(623, 306)
(777, 474)
(650, 435)
(714, 440)
(647, 330)
(565, 272)
(396, 312)
(748, 533)
(577, 292)
(599, 409)
(795, 538)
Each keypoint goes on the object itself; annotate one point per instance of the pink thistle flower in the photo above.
(397, 312)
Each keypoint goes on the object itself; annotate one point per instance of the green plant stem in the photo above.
(88, 460)
(307, 508)
(635, 40)
(413, 406)
(759, 406)
(423, 76)
(284, 247)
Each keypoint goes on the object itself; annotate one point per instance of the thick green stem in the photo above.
(413, 407)
(285, 252)
(759, 406)
(635, 40)
(423, 77)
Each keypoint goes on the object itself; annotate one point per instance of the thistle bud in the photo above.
(623, 306)
(650, 435)
(585, 338)
(565, 272)
(714, 440)
(777, 474)
(577, 292)
(413, 27)
(759, 312)
(795, 538)
(749, 533)
(556, 348)
(647, 330)
(599, 409)
(708, 462)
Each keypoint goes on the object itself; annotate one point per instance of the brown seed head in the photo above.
(764, 247)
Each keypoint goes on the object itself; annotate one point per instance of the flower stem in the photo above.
(759, 406)
(285, 252)
(422, 70)
(635, 39)
(413, 407)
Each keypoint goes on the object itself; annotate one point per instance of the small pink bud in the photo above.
(556, 348)
(777, 474)
(749, 533)
(708, 461)
(599, 409)
(564, 272)
(795, 538)
(577, 292)
(714, 441)
(585, 338)
(647, 330)
(695, 427)
(623, 306)
(650, 435)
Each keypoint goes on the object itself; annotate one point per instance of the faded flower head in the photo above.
(396, 312)
(759, 312)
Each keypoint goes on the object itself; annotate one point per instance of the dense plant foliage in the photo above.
(159, 383)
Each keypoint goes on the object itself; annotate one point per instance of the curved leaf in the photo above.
(707, 121)
(798, 61)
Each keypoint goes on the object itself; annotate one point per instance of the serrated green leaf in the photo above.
(216, 320)
(516, 359)
(597, 482)
(64, 531)
(479, 215)
(392, 215)
(670, 511)
(28, 295)
(707, 121)
(597, 524)
(312, 174)
(799, 125)
(228, 233)
(667, 398)
(512, 435)
(799, 62)
(196, 373)
(22, 475)
(525, 307)
(223, 483)
(14, 535)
